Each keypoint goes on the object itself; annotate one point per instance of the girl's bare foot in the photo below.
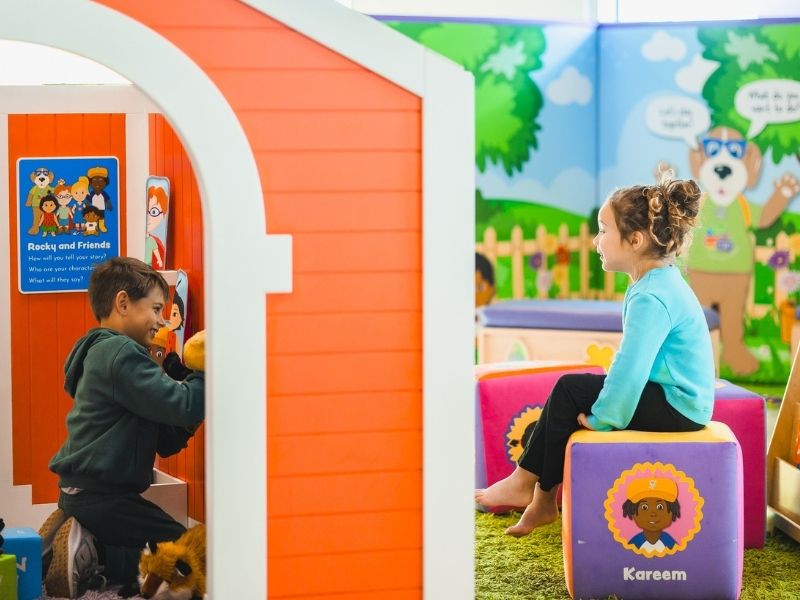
(542, 510)
(516, 490)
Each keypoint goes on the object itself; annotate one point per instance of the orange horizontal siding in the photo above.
(310, 90)
(267, 48)
(348, 292)
(345, 533)
(343, 573)
(357, 251)
(333, 130)
(340, 171)
(344, 211)
(332, 413)
(345, 493)
(350, 332)
(354, 372)
(344, 453)
(194, 13)
(407, 594)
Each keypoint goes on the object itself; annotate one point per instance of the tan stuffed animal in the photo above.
(194, 351)
(175, 570)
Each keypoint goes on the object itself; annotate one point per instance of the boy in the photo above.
(126, 409)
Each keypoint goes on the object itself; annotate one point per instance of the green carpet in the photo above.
(532, 568)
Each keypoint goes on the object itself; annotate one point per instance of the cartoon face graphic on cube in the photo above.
(653, 509)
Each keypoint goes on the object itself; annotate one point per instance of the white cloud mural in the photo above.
(662, 46)
(693, 76)
(571, 87)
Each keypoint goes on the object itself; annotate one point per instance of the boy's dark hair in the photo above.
(629, 509)
(118, 274)
(178, 301)
(91, 210)
(484, 267)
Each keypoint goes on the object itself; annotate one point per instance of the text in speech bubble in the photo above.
(678, 117)
(768, 101)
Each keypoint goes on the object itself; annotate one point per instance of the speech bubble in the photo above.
(678, 117)
(768, 101)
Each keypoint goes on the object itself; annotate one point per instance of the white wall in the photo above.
(533, 10)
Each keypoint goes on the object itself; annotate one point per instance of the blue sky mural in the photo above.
(640, 65)
(561, 172)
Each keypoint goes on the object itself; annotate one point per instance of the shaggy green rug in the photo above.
(532, 568)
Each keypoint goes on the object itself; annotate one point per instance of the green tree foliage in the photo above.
(507, 101)
(745, 55)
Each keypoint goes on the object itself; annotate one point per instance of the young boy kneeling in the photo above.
(126, 409)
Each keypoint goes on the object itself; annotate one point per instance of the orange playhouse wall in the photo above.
(45, 326)
(185, 251)
(338, 149)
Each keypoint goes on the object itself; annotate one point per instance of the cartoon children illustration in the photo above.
(177, 315)
(48, 222)
(79, 190)
(157, 207)
(91, 217)
(64, 212)
(98, 181)
(653, 505)
(42, 177)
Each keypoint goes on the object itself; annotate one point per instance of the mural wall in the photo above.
(534, 86)
(720, 104)
(566, 113)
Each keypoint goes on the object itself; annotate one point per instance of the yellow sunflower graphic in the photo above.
(520, 431)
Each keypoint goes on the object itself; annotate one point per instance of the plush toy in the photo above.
(175, 570)
(194, 351)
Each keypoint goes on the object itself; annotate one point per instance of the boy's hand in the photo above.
(583, 421)
(194, 351)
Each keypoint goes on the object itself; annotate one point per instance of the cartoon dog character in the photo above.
(722, 257)
(41, 177)
(175, 570)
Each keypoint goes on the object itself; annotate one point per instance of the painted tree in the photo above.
(746, 55)
(507, 101)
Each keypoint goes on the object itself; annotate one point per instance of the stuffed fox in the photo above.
(175, 570)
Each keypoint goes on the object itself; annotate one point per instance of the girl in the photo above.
(79, 192)
(662, 378)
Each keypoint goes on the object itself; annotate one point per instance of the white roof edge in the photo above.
(361, 38)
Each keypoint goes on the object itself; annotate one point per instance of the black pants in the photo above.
(122, 524)
(574, 394)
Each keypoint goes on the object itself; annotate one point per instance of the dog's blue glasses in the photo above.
(712, 147)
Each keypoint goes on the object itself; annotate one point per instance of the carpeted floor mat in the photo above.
(532, 568)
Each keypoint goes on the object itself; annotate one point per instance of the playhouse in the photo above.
(329, 176)
(272, 194)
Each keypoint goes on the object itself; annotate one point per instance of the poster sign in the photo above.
(67, 220)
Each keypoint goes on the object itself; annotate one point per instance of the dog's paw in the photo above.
(788, 185)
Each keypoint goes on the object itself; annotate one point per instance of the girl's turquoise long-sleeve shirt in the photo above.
(665, 339)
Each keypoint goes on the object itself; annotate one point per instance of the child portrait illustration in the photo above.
(653, 509)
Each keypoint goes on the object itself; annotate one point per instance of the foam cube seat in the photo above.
(745, 413)
(653, 515)
(26, 544)
(508, 399)
(8, 577)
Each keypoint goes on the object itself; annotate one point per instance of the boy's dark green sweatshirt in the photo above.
(126, 409)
